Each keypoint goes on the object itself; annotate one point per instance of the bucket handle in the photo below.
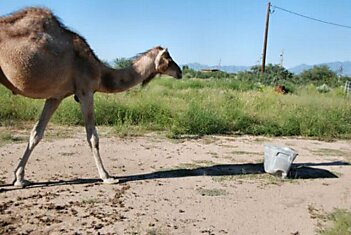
(296, 154)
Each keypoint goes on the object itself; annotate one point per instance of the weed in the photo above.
(212, 192)
(213, 154)
(203, 163)
(90, 201)
(244, 153)
(193, 165)
(316, 213)
(157, 231)
(337, 222)
(341, 223)
(6, 137)
(264, 179)
(331, 152)
(129, 130)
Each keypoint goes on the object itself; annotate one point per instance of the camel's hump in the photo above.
(27, 12)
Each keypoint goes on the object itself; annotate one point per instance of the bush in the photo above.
(319, 75)
(201, 107)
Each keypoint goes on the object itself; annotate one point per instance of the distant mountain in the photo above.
(197, 66)
(226, 68)
(335, 66)
(300, 68)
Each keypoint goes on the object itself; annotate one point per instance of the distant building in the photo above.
(210, 70)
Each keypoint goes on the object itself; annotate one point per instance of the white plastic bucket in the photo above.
(278, 159)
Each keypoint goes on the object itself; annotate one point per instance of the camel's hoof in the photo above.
(110, 181)
(22, 183)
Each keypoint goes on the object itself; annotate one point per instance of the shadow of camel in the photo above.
(298, 171)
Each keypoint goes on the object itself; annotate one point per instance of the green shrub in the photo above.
(14, 108)
(199, 120)
(68, 113)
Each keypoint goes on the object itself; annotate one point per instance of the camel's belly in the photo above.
(37, 75)
(37, 82)
(40, 90)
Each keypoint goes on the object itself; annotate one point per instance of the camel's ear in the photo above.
(161, 63)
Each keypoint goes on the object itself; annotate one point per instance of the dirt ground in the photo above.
(211, 185)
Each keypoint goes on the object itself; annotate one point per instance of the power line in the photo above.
(311, 18)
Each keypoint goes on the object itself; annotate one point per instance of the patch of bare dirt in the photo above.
(213, 185)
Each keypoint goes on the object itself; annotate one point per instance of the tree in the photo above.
(120, 63)
(188, 72)
(320, 74)
(274, 74)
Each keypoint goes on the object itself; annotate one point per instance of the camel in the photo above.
(40, 58)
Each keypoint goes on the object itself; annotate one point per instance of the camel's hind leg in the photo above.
(87, 106)
(35, 136)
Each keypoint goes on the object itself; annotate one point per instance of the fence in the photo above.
(347, 87)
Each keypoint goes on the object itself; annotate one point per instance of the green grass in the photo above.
(192, 165)
(212, 192)
(201, 107)
(340, 223)
(244, 153)
(7, 137)
(262, 179)
(331, 152)
(337, 222)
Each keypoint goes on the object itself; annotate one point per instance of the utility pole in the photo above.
(282, 58)
(265, 40)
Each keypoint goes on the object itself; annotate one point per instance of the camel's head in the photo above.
(164, 64)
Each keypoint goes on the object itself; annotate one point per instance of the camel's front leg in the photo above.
(35, 137)
(87, 107)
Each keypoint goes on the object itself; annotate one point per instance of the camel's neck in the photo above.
(117, 80)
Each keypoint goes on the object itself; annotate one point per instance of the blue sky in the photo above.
(207, 31)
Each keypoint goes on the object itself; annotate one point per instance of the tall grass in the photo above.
(14, 108)
(200, 107)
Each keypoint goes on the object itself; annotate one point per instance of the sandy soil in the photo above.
(212, 185)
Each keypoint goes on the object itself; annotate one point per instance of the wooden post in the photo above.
(265, 40)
